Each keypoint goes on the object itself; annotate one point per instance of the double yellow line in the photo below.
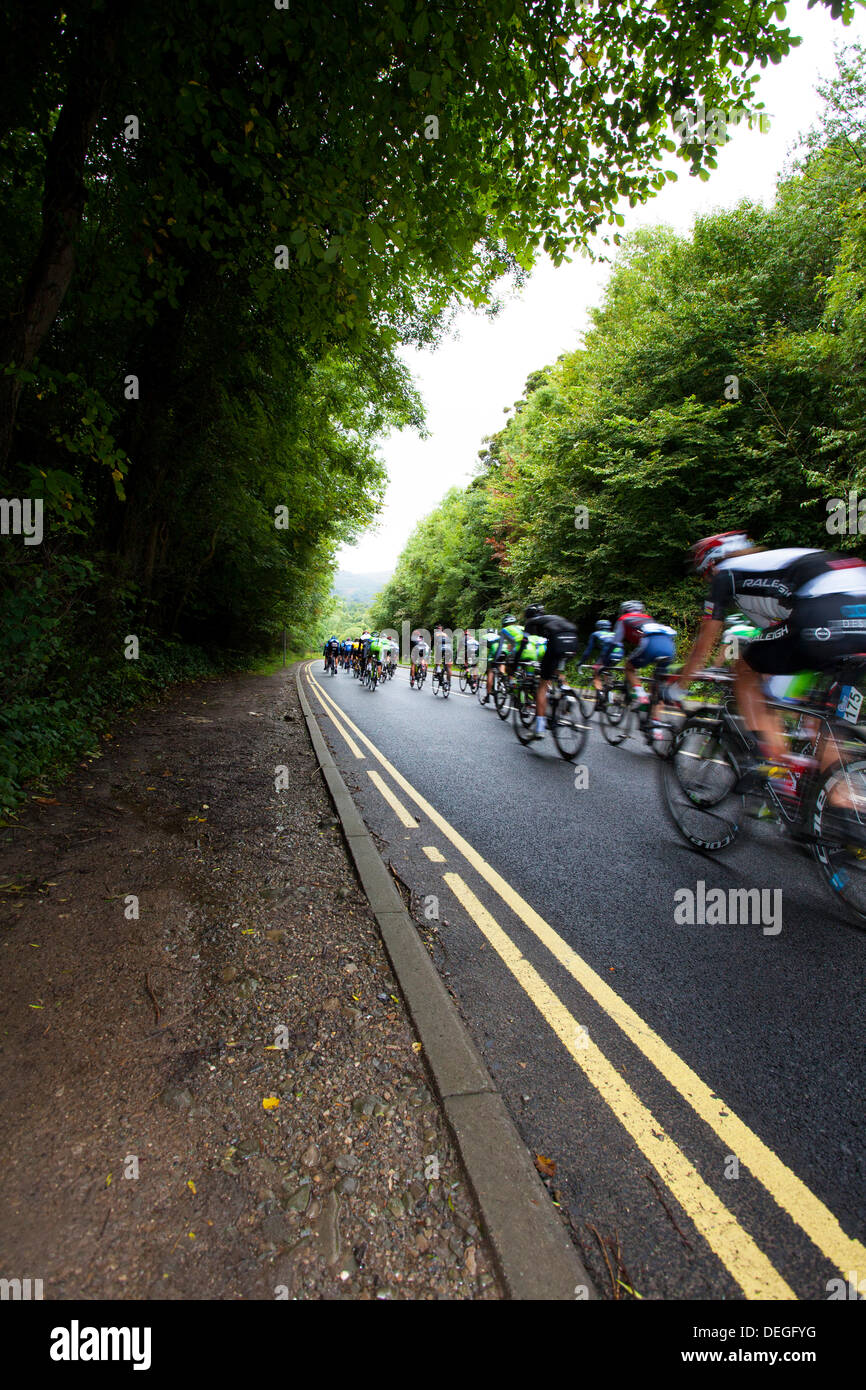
(733, 1246)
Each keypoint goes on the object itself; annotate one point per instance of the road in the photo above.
(698, 1087)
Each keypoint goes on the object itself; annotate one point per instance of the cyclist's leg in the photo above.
(633, 666)
(775, 656)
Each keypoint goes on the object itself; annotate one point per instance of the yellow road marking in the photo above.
(396, 806)
(727, 1239)
(432, 853)
(336, 722)
(783, 1185)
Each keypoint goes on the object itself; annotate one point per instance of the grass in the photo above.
(270, 665)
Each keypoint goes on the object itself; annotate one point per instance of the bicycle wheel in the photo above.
(435, 681)
(698, 779)
(661, 740)
(586, 692)
(569, 725)
(464, 680)
(617, 717)
(481, 689)
(523, 704)
(841, 832)
(502, 695)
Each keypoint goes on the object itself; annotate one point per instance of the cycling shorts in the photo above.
(560, 646)
(654, 647)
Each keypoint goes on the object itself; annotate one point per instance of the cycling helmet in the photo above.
(534, 610)
(509, 618)
(602, 625)
(712, 549)
(631, 607)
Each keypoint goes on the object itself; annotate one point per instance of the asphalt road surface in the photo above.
(698, 1087)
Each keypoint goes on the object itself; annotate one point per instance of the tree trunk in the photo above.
(62, 207)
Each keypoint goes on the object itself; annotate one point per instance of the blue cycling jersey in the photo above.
(608, 647)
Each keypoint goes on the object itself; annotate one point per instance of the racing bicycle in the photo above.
(468, 676)
(568, 725)
(621, 713)
(818, 798)
(440, 681)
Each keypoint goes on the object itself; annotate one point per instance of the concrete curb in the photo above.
(536, 1257)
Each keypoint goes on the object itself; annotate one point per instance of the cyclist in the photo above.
(501, 646)
(380, 650)
(810, 606)
(365, 639)
(420, 653)
(443, 651)
(652, 643)
(330, 652)
(561, 643)
(471, 647)
(609, 653)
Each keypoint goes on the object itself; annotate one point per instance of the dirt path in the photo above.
(139, 1160)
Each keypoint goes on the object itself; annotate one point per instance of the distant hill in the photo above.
(360, 587)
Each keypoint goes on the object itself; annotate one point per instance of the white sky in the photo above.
(482, 367)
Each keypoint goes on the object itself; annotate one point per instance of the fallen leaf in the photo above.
(545, 1166)
(191, 1185)
(270, 1103)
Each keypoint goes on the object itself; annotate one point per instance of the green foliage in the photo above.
(722, 385)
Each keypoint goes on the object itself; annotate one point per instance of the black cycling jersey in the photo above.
(763, 585)
(548, 625)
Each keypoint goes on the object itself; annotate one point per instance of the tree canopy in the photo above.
(720, 386)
